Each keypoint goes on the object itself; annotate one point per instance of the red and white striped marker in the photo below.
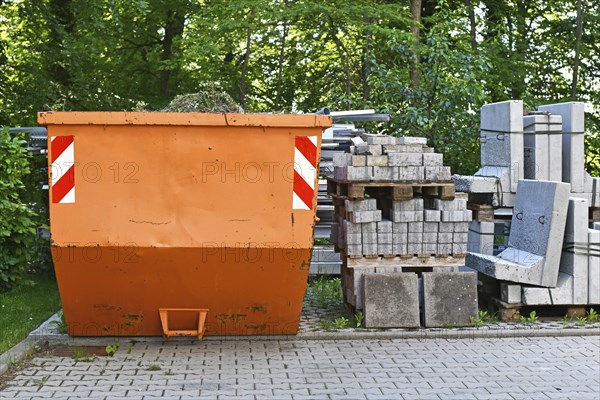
(62, 161)
(305, 172)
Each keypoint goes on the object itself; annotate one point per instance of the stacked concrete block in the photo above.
(572, 283)
(543, 147)
(594, 265)
(380, 236)
(532, 255)
(572, 142)
(386, 159)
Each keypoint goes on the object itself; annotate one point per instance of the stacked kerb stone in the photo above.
(396, 211)
(390, 159)
(383, 226)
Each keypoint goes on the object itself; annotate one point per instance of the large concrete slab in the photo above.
(538, 224)
(391, 300)
(594, 267)
(502, 138)
(574, 258)
(572, 141)
(543, 146)
(449, 298)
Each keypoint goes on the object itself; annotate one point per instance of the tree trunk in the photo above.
(472, 24)
(415, 9)
(174, 27)
(578, 35)
(245, 67)
(365, 68)
(521, 47)
(281, 58)
(343, 57)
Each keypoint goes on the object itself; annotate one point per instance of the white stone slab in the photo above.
(535, 296)
(572, 141)
(594, 265)
(536, 150)
(562, 294)
(533, 255)
(502, 138)
(574, 260)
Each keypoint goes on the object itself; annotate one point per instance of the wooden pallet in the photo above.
(482, 212)
(512, 312)
(395, 190)
(406, 261)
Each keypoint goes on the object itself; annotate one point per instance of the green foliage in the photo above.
(325, 291)
(24, 308)
(111, 349)
(17, 227)
(359, 318)
(61, 324)
(592, 316)
(531, 319)
(290, 56)
(153, 367)
(341, 323)
(483, 318)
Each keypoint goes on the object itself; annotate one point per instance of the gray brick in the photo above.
(377, 161)
(361, 205)
(415, 227)
(405, 159)
(382, 173)
(365, 216)
(407, 216)
(432, 215)
(433, 160)
(430, 237)
(385, 226)
(430, 227)
(358, 161)
(411, 174)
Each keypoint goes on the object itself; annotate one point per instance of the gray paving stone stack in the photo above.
(388, 242)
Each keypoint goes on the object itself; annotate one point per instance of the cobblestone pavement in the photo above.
(517, 368)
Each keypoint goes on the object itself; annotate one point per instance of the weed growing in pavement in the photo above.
(532, 319)
(565, 321)
(326, 326)
(581, 321)
(112, 349)
(61, 324)
(483, 318)
(153, 367)
(359, 319)
(592, 316)
(77, 353)
(341, 323)
(40, 382)
(325, 291)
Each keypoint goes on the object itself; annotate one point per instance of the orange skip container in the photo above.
(184, 211)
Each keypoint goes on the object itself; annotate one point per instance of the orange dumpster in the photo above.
(163, 222)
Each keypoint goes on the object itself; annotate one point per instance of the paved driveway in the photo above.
(524, 368)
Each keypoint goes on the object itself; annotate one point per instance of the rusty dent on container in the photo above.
(182, 211)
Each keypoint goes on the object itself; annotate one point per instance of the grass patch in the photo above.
(24, 308)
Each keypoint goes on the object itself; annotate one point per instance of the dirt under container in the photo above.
(162, 221)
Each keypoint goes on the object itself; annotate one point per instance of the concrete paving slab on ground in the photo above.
(517, 368)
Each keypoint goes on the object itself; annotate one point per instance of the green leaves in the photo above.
(18, 239)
